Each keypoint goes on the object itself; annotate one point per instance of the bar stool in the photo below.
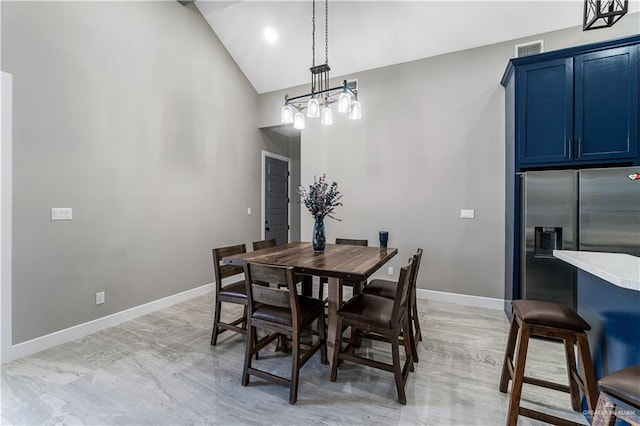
(619, 397)
(533, 318)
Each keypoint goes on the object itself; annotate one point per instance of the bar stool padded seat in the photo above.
(623, 384)
(549, 314)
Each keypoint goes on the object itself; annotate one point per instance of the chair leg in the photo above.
(588, 374)
(336, 350)
(216, 320)
(397, 369)
(321, 290)
(411, 337)
(574, 390)
(249, 345)
(409, 344)
(518, 376)
(416, 318)
(295, 367)
(508, 355)
(322, 334)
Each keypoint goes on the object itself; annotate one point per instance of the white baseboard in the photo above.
(63, 336)
(68, 334)
(461, 299)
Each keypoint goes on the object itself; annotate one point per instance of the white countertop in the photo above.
(620, 269)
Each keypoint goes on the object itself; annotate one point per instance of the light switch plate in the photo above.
(467, 214)
(61, 213)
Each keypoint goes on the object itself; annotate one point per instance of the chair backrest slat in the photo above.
(279, 298)
(402, 290)
(224, 271)
(259, 245)
(417, 258)
(263, 287)
(352, 242)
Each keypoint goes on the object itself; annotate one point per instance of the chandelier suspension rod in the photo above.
(313, 43)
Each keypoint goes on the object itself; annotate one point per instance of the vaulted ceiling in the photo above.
(271, 40)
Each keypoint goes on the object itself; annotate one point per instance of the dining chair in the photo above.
(234, 292)
(387, 288)
(259, 245)
(357, 286)
(381, 319)
(280, 311)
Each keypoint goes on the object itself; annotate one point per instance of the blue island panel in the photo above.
(614, 315)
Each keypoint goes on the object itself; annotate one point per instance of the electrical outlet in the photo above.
(100, 298)
(248, 210)
(390, 270)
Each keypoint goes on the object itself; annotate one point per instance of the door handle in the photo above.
(578, 148)
(267, 229)
(570, 148)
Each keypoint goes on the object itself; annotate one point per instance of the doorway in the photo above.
(275, 205)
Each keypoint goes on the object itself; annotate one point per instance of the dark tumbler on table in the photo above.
(384, 237)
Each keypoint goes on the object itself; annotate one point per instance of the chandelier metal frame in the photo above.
(321, 95)
(603, 13)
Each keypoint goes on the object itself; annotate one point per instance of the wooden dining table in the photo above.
(337, 263)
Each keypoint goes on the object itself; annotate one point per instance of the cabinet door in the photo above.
(545, 112)
(606, 104)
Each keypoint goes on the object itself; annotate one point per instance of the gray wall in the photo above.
(134, 115)
(431, 142)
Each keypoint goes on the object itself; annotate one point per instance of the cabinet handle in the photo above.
(570, 148)
(579, 148)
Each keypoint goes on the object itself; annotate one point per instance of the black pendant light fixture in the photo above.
(603, 13)
(321, 96)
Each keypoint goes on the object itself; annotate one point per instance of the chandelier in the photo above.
(321, 96)
(603, 13)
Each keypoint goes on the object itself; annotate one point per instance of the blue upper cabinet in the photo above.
(545, 112)
(606, 104)
(576, 107)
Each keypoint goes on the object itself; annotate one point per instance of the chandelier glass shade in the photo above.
(318, 101)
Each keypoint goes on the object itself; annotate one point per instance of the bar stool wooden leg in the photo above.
(507, 364)
(604, 414)
(588, 373)
(518, 375)
(574, 389)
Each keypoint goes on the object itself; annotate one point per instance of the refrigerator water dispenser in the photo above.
(547, 239)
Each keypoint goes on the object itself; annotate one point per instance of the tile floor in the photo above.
(159, 369)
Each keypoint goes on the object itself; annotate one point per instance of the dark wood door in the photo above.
(276, 199)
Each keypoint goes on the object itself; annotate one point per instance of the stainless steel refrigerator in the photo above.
(590, 209)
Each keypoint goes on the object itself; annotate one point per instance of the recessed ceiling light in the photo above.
(270, 35)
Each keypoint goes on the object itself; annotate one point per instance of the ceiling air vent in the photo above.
(528, 49)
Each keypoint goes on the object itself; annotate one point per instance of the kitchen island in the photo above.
(608, 298)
